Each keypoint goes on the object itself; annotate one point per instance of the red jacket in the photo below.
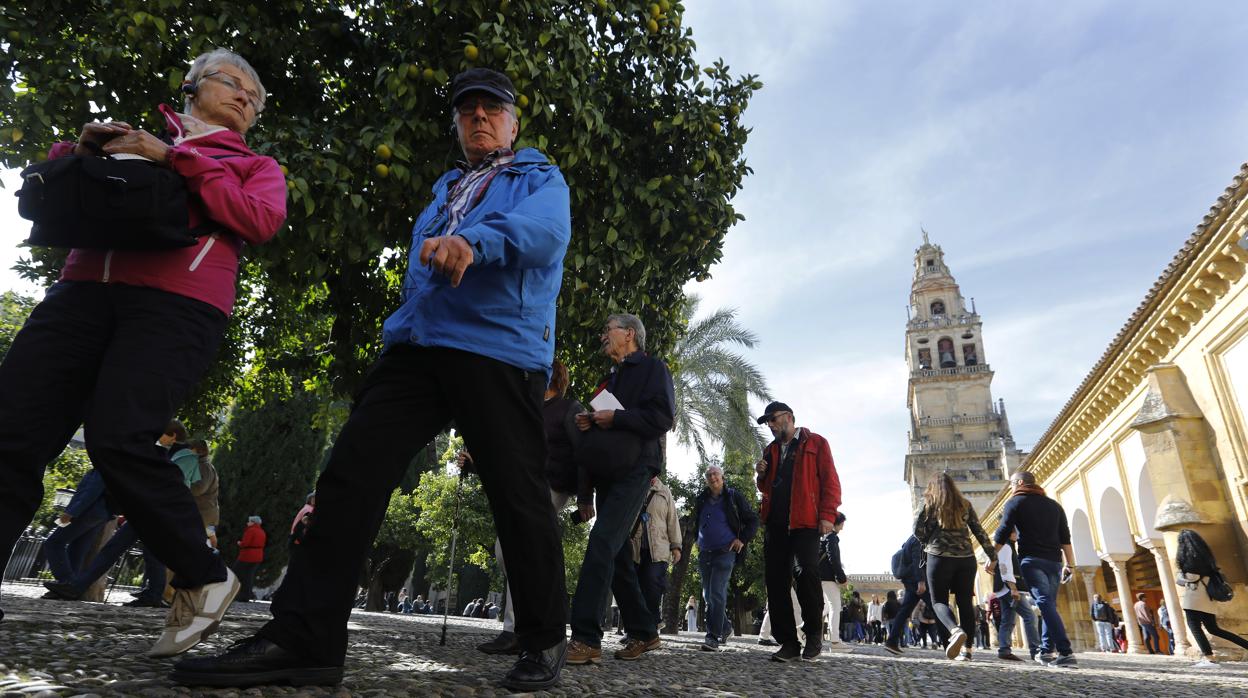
(244, 194)
(816, 493)
(251, 548)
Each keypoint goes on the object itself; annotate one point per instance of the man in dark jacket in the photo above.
(642, 386)
(1043, 540)
(726, 523)
(801, 496)
(78, 527)
(910, 572)
(472, 342)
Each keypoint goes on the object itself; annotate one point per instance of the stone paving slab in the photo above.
(74, 648)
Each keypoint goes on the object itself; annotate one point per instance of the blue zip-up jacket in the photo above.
(88, 499)
(504, 307)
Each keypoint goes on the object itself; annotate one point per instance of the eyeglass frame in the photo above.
(486, 104)
(771, 418)
(222, 78)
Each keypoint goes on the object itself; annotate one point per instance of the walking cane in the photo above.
(450, 567)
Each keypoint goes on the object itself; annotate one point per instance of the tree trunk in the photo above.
(673, 600)
(376, 594)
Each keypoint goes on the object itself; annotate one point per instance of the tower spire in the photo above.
(925, 240)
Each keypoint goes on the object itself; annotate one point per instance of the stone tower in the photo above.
(954, 424)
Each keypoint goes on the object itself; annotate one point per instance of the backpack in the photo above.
(1217, 588)
(902, 566)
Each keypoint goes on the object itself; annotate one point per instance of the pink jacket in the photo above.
(244, 193)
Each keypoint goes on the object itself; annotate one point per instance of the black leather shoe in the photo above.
(145, 602)
(536, 671)
(787, 652)
(63, 590)
(505, 643)
(254, 661)
(813, 649)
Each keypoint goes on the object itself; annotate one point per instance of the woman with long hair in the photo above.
(945, 525)
(1196, 566)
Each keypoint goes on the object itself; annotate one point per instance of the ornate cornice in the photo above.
(1200, 273)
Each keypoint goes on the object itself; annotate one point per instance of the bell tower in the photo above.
(955, 425)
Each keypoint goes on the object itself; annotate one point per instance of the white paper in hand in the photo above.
(605, 401)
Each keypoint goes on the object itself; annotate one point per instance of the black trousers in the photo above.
(783, 551)
(246, 572)
(1195, 619)
(118, 360)
(652, 576)
(411, 394)
(956, 574)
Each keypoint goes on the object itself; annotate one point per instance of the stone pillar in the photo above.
(1088, 574)
(1118, 563)
(1171, 592)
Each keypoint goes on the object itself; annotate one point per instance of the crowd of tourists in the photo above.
(123, 337)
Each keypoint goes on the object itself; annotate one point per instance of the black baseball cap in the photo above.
(482, 80)
(772, 409)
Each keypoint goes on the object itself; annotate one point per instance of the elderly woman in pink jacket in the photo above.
(122, 338)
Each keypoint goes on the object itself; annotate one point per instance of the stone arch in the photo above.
(1114, 524)
(1081, 539)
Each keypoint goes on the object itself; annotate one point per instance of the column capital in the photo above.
(1156, 546)
(1115, 560)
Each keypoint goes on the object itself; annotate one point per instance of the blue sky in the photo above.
(1059, 152)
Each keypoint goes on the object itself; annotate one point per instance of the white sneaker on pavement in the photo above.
(957, 638)
(1205, 663)
(195, 615)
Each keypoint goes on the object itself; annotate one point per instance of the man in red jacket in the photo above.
(250, 555)
(801, 495)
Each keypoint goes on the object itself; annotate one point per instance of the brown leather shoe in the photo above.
(633, 649)
(581, 653)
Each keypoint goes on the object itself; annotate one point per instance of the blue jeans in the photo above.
(716, 568)
(1012, 610)
(609, 563)
(66, 547)
(1043, 576)
(1152, 641)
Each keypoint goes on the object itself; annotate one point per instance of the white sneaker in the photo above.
(956, 639)
(195, 615)
(964, 657)
(1205, 663)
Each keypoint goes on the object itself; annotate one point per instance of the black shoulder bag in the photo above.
(105, 203)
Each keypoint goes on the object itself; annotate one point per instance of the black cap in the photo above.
(772, 409)
(482, 80)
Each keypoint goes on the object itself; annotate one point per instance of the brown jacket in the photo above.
(205, 492)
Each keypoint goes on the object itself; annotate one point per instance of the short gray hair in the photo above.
(631, 322)
(217, 57)
(254, 519)
(712, 468)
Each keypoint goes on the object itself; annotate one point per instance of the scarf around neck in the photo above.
(1021, 489)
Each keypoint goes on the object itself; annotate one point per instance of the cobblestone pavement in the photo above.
(71, 648)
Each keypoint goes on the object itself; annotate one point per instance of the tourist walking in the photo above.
(655, 542)
(691, 614)
(945, 525)
(726, 522)
(1163, 620)
(875, 619)
(1201, 581)
(801, 496)
(250, 555)
(77, 527)
(621, 451)
(1043, 542)
(124, 336)
(888, 614)
(1148, 624)
(909, 567)
(1014, 603)
(1104, 620)
(831, 577)
(472, 342)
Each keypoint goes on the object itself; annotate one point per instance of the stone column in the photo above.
(1088, 574)
(1118, 563)
(1171, 592)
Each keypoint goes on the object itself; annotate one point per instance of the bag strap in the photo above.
(641, 513)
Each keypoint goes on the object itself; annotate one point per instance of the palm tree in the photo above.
(713, 383)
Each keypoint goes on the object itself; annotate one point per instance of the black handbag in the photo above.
(105, 203)
(608, 453)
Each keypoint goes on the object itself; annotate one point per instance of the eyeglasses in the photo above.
(775, 417)
(253, 98)
(468, 107)
(608, 328)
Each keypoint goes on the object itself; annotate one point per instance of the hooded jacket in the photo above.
(236, 197)
(504, 307)
(816, 493)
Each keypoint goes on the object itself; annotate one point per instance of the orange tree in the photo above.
(649, 141)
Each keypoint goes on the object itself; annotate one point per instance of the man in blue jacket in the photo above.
(472, 342)
(78, 526)
(726, 523)
(909, 571)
